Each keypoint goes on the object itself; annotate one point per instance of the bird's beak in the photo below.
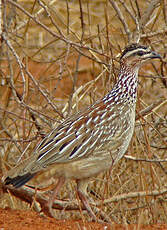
(150, 55)
(155, 55)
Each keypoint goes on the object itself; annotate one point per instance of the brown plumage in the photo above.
(90, 141)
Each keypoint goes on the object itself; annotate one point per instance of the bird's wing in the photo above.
(79, 136)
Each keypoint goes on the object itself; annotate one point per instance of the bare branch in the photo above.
(122, 19)
(145, 160)
(152, 34)
(26, 193)
(150, 109)
(73, 44)
(135, 195)
(148, 12)
(19, 63)
(128, 10)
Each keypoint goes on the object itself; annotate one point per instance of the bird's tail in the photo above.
(18, 181)
(20, 174)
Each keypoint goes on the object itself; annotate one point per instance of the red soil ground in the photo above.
(26, 220)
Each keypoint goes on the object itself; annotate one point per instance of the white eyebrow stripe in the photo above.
(135, 51)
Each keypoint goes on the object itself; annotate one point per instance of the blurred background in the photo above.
(58, 57)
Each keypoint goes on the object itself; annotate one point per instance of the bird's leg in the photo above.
(53, 196)
(82, 193)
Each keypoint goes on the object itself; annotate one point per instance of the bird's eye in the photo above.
(140, 53)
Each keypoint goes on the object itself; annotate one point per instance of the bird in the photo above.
(92, 140)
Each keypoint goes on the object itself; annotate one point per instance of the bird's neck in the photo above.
(125, 90)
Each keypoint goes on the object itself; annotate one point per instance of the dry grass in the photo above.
(59, 56)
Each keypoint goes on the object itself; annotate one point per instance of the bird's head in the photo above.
(135, 55)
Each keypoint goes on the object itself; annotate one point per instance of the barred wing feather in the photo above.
(78, 137)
